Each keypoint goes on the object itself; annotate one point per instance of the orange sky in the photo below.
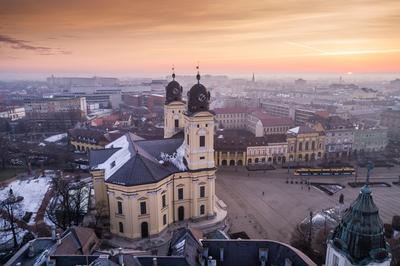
(240, 36)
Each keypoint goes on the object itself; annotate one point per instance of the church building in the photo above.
(147, 185)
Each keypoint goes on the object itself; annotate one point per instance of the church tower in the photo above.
(359, 238)
(174, 108)
(199, 129)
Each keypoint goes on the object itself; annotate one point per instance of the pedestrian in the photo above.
(263, 193)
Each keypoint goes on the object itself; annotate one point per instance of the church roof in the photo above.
(360, 234)
(139, 161)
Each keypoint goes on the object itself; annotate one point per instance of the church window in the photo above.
(119, 207)
(202, 141)
(143, 207)
(180, 193)
(176, 123)
(202, 191)
(164, 219)
(164, 201)
(121, 227)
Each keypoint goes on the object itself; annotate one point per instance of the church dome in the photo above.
(173, 91)
(360, 233)
(198, 98)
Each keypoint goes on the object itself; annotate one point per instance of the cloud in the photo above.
(24, 45)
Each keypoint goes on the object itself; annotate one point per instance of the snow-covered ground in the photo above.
(56, 138)
(6, 237)
(33, 191)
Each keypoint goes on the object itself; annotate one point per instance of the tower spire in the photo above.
(173, 72)
(369, 168)
(198, 73)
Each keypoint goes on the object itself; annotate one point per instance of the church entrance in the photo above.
(145, 229)
(181, 213)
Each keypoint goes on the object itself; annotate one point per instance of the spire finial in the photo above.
(369, 168)
(173, 72)
(198, 73)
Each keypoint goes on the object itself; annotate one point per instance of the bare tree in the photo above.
(69, 204)
(4, 147)
(8, 207)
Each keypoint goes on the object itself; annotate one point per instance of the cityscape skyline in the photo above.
(224, 37)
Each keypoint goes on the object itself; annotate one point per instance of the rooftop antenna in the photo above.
(173, 72)
(198, 73)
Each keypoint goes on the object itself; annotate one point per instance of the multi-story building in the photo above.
(231, 117)
(300, 115)
(89, 138)
(66, 82)
(260, 124)
(238, 147)
(272, 151)
(277, 109)
(391, 119)
(339, 135)
(13, 113)
(305, 144)
(40, 107)
(56, 114)
(373, 139)
(147, 185)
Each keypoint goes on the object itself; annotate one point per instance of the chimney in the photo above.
(221, 254)
(263, 256)
(154, 261)
(211, 262)
(58, 239)
(120, 257)
(53, 232)
(31, 251)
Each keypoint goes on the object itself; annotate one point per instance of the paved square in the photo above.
(275, 214)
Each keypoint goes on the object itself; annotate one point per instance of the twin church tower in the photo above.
(194, 120)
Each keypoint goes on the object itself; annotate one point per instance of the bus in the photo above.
(324, 171)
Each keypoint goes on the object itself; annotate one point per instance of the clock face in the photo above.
(202, 97)
(175, 91)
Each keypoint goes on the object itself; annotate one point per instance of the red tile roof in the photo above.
(268, 120)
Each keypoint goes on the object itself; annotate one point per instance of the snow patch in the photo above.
(176, 158)
(33, 191)
(119, 158)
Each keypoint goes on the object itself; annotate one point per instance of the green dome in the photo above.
(360, 234)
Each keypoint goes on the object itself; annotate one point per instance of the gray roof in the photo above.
(140, 169)
(238, 252)
(99, 156)
(144, 165)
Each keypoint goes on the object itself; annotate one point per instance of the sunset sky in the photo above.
(149, 36)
